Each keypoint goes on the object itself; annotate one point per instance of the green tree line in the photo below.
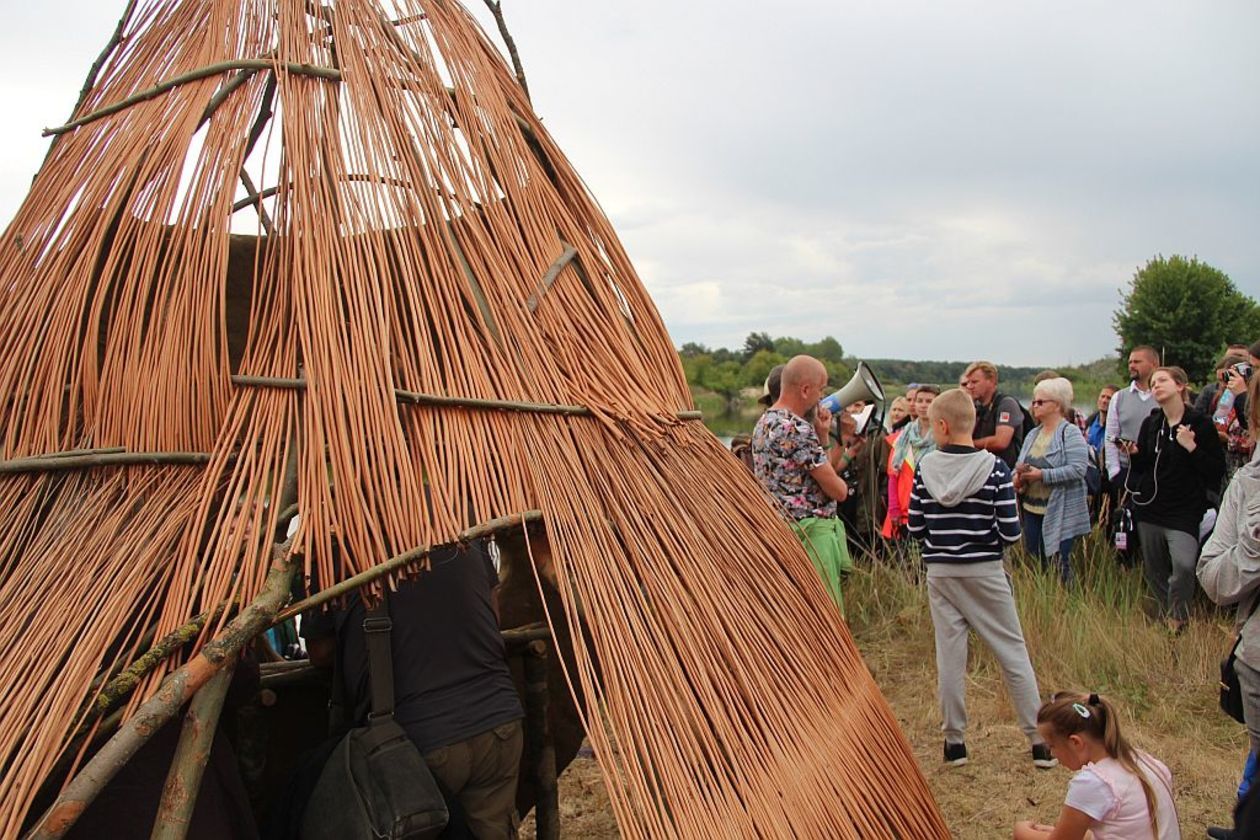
(1185, 308)
(728, 372)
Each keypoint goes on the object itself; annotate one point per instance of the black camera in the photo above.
(1243, 369)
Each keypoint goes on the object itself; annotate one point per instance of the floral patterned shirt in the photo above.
(785, 448)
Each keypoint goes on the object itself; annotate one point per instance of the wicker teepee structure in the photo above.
(435, 327)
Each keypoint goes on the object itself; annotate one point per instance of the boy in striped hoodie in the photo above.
(963, 510)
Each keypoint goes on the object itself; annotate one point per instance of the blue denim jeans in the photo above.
(1035, 544)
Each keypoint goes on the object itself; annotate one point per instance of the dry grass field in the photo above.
(1095, 637)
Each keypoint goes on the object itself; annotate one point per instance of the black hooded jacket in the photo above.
(1170, 485)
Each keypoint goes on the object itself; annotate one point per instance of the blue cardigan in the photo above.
(1067, 512)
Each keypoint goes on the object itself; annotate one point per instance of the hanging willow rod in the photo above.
(449, 402)
(329, 73)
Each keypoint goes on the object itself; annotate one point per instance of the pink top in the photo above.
(1112, 797)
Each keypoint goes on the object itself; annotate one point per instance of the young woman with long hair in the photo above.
(1175, 462)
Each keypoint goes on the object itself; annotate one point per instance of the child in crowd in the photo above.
(962, 507)
(1118, 793)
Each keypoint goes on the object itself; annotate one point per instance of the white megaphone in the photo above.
(863, 386)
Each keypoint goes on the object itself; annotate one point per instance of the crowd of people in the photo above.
(954, 477)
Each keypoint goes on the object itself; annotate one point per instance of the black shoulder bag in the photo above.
(375, 785)
(1231, 691)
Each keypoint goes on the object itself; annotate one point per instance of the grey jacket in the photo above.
(1067, 512)
(1229, 567)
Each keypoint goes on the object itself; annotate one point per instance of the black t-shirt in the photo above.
(1003, 411)
(451, 678)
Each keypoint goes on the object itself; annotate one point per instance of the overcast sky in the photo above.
(920, 179)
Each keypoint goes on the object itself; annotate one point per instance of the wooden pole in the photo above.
(263, 216)
(403, 560)
(94, 71)
(178, 689)
(51, 463)
(183, 783)
(224, 92)
(496, 9)
(549, 278)
(123, 684)
(313, 70)
(452, 402)
(540, 752)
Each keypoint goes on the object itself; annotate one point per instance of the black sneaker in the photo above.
(1042, 759)
(955, 754)
(1218, 833)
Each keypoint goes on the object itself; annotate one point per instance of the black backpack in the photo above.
(1029, 423)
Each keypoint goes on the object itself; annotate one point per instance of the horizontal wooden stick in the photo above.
(403, 560)
(53, 463)
(329, 73)
(104, 450)
(453, 402)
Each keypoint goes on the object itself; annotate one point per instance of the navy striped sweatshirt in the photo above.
(963, 506)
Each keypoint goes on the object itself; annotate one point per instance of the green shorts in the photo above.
(828, 548)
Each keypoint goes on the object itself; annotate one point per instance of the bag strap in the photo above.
(376, 629)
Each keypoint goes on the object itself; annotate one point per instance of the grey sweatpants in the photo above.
(986, 605)
(1168, 558)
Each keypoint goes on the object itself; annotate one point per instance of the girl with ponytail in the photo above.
(1118, 792)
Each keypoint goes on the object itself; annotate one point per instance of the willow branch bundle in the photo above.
(420, 203)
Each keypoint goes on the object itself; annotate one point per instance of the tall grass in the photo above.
(1094, 635)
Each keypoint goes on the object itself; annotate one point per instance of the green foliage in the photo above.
(691, 348)
(757, 342)
(757, 368)
(1188, 310)
(838, 373)
(827, 350)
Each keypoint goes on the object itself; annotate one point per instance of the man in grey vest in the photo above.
(1129, 407)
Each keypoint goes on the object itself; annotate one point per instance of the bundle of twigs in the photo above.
(423, 236)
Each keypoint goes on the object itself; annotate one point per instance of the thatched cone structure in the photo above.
(426, 257)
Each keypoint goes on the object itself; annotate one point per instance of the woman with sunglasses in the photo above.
(1050, 478)
(1175, 462)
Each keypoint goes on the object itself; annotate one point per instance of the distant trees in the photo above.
(756, 343)
(728, 372)
(1187, 309)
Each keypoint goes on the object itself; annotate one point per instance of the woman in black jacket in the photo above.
(1176, 460)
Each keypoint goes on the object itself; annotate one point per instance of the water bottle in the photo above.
(1223, 409)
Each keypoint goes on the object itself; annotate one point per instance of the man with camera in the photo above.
(790, 461)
